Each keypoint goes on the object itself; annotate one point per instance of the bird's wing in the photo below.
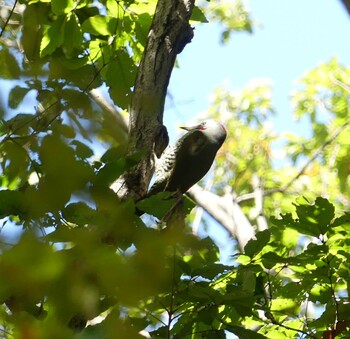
(175, 156)
(183, 173)
(163, 167)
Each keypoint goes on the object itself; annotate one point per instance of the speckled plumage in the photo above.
(185, 163)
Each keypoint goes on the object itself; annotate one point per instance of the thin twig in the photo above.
(8, 18)
(250, 196)
(339, 83)
(315, 155)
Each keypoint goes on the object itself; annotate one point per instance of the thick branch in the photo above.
(169, 33)
(226, 211)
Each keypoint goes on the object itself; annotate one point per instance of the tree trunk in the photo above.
(169, 33)
(347, 5)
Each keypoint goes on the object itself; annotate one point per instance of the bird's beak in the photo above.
(191, 128)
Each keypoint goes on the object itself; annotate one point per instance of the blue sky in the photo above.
(290, 38)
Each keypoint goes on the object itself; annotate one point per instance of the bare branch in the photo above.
(259, 203)
(200, 210)
(226, 211)
(339, 83)
(108, 107)
(112, 116)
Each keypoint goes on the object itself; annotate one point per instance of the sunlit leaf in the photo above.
(53, 37)
(244, 333)
(73, 37)
(100, 25)
(254, 246)
(62, 6)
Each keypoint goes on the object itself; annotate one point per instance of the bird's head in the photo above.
(213, 130)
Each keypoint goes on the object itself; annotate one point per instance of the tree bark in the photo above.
(169, 33)
(347, 5)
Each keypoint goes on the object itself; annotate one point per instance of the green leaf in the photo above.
(247, 279)
(241, 300)
(114, 8)
(161, 332)
(9, 67)
(270, 259)
(20, 123)
(315, 219)
(17, 95)
(113, 154)
(157, 204)
(116, 165)
(201, 292)
(342, 220)
(64, 130)
(65, 234)
(63, 174)
(77, 73)
(15, 168)
(73, 36)
(60, 7)
(243, 333)
(100, 25)
(142, 24)
(79, 213)
(120, 76)
(210, 271)
(189, 205)
(207, 316)
(143, 7)
(292, 290)
(11, 203)
(24, 278)
(285, 306)
(110, 172)
(254, 246)
(53, 37)
(320, 293)
(198, 15)
(81, 150)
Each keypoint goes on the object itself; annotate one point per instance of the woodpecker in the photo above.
(185, 163)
